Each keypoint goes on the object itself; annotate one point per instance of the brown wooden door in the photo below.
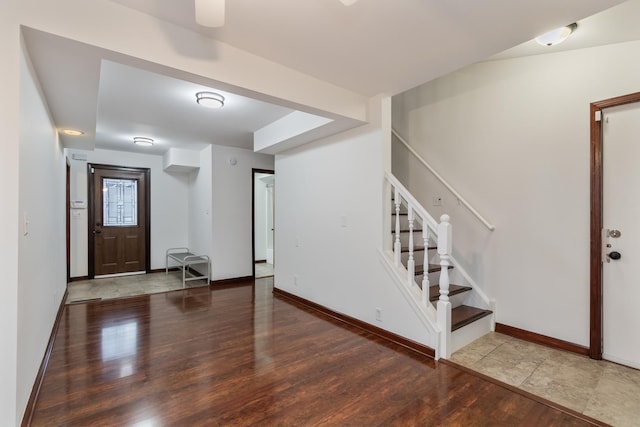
(119, 223)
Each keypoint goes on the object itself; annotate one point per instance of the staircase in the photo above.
(461, 315)
(420, 250)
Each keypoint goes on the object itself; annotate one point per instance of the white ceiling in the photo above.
(371, 47)
(377, 46)
(89, 89)
(134, 102)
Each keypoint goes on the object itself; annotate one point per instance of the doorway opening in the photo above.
(119, 220)
(263, 188)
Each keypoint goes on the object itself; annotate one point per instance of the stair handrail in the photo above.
(443, 181)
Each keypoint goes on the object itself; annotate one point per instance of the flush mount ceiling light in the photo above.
(210, 13)
(210, 99)
(140, 140)
(72, 132)
(556, 36)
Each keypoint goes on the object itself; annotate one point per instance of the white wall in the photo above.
(199, 205)
(120, 29)
(260, 217)
(208, 211)
(42, 241)
(513, 137)
(231, 243)
(169, 205)
(10, 75)
(329, 226)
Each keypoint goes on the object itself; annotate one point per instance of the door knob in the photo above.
(614, 255)
(97, 231)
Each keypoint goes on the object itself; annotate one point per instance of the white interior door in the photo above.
(621, 212)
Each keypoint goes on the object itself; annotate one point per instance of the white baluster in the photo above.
(444, 250)
(425, 274)
(397, 247)
(411, 264)
(444, 305)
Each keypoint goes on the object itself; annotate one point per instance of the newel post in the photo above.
(444, 305)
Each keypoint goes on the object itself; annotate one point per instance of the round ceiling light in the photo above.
(210, 99)
(556, 36)
(145, 142)
(210, 13)
(72, 132)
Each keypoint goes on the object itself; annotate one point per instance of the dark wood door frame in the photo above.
(92, 207)
(595, 337)
(254, 171)
(68, 217)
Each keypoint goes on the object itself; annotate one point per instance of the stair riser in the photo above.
(434, 278)
(456, 300)
(467, 334)
(418, 257)
(432, 281)
(404, 222)
(404, 238)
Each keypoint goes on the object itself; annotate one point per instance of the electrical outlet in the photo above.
(437, 201)
(379, 314)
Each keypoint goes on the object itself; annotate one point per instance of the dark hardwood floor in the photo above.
(237, 356)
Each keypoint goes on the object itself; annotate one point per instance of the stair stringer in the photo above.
(425, 312)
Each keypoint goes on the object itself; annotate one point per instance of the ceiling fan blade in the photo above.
(210, 13)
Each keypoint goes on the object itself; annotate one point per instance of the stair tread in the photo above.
(406, 230)
(432, 268)
(417, 248)
(464, 315)
(434, 291)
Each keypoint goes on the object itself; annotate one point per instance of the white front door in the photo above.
(621, 220)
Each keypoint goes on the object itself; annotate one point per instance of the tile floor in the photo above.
(124, 286)
(602, 390)
(263, 269)
(116, 287)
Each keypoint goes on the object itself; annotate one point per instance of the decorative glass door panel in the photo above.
(119, 202)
